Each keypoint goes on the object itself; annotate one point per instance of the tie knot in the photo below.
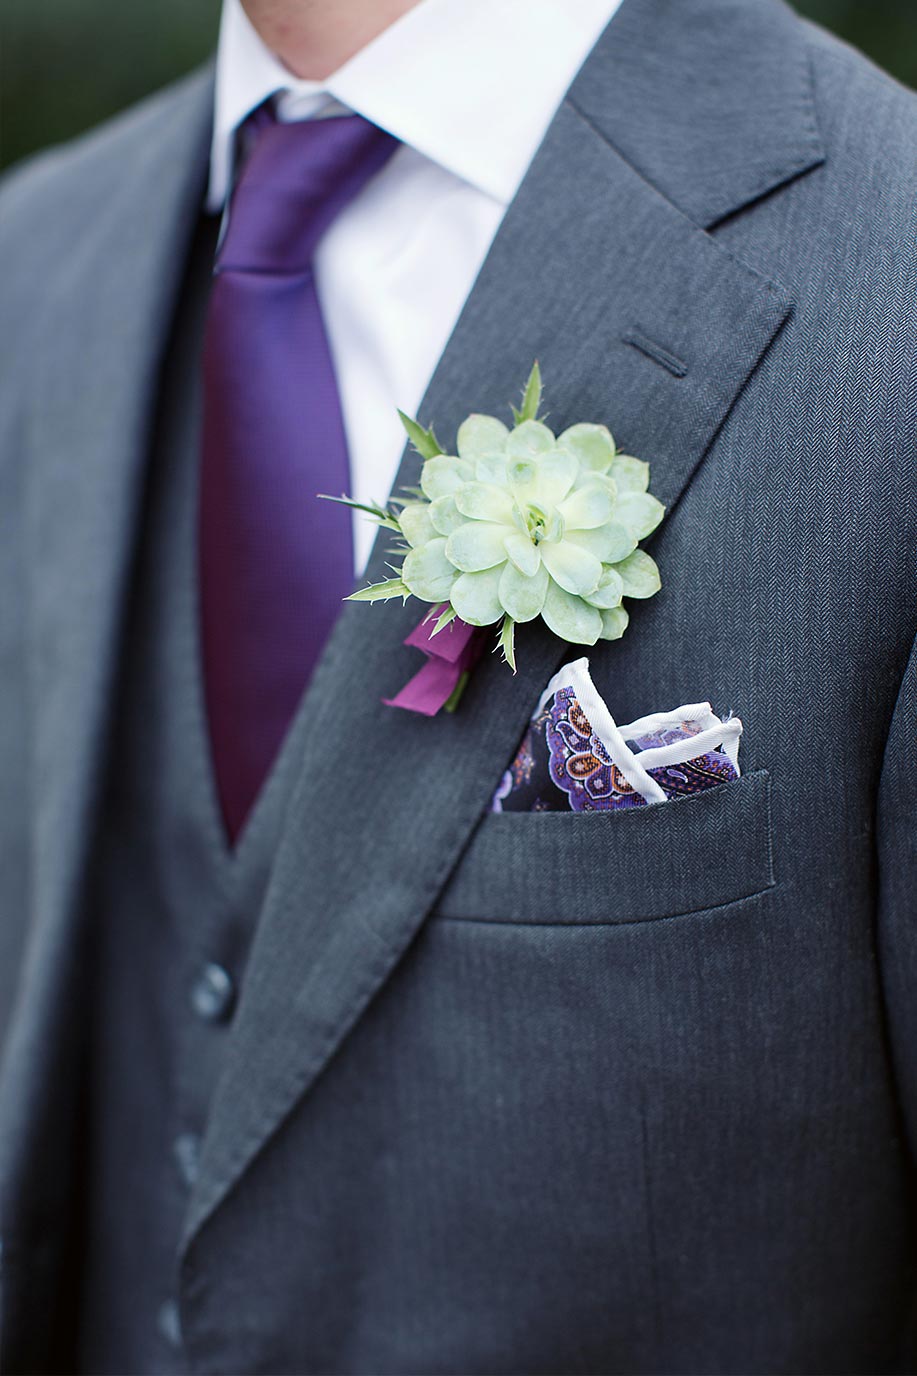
(298, 177)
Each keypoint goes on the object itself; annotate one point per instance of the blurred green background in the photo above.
(66, 64)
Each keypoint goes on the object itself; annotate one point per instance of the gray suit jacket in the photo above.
(530, 1093)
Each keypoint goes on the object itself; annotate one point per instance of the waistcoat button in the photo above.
(213, 993)
(187, 1149)
(169, 1323)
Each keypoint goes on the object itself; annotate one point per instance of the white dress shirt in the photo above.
(469, 88)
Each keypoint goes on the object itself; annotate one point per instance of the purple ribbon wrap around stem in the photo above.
(451, 655)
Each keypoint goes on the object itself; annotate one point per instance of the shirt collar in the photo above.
(470, 84)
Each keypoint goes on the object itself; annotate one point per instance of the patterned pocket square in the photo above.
(574, 757)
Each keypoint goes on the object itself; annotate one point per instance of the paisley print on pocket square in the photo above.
(574, 757)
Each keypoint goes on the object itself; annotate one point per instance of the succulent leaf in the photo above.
(428, 573)
(630, 474)
(588, 507)
(575, 570)
(480, 437)
(640, 512)
(529, 439)
(485, 502)
(591, 445)
(609, 592)
(639, 575)
(614, 623)
(523, 553)
(570, 617)
(522, 595)
(417, 523)
(476, 545)
(442, 475)
(476, 597)
(445, 515)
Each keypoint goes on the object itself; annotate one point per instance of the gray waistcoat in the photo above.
(173, 909)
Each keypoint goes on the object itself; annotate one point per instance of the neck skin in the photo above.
(313, 38)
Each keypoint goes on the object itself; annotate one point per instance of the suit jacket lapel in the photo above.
(639, 319)
(140, 186)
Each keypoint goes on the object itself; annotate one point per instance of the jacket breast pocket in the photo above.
(635, 865)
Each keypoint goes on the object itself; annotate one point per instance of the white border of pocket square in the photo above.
(713, 735)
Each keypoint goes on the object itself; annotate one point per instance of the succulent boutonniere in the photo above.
(519, 524)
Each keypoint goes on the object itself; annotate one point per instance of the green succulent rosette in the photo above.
(521, 523)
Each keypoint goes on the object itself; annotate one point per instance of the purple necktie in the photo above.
(275, 562)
